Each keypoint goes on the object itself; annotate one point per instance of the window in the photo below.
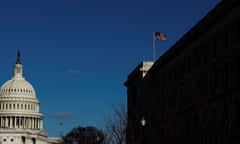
(206, 83)
(238, 66)
(181, 70)
(205, 48)
(23, 140)
(182, 96)
(215, 46)
(226, 75)
(238, 28)
(196, 58)
(175, 73)
(188, 63)
(215, 80)
(33, 141)
(172, 100)
(225, 40)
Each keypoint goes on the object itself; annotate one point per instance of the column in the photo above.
(29, 123)
(38, 124)
(5, 124)
(24, 122)
(1, 121)
(10, 122)
(35, 123)
(15, 122)
(32, 123)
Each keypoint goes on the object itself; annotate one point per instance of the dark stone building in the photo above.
(191, 94)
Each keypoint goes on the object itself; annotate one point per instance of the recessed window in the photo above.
(33, 141)
(238, 28)
(23, 139)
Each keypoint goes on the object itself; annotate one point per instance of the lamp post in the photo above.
(143, 123)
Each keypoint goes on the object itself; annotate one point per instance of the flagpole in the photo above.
(154, 47)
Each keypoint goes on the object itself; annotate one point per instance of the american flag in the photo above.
(160, 36)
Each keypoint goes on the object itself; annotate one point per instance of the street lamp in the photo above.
(143, 123)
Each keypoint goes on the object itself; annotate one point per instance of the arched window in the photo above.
(33, 140)
(23, 139)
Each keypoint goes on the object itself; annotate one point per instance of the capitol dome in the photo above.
(20, 119)
(17, 87)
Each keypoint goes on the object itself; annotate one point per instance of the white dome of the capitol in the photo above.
(20, 119)
(18, 88)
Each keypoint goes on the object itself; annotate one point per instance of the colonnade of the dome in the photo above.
(21, 122)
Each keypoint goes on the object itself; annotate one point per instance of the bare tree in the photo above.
(116, 124)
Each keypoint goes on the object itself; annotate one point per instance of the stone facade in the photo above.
(192, 93)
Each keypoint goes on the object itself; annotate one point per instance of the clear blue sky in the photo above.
(78, 53)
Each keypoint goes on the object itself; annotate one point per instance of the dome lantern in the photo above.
(18, 68)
